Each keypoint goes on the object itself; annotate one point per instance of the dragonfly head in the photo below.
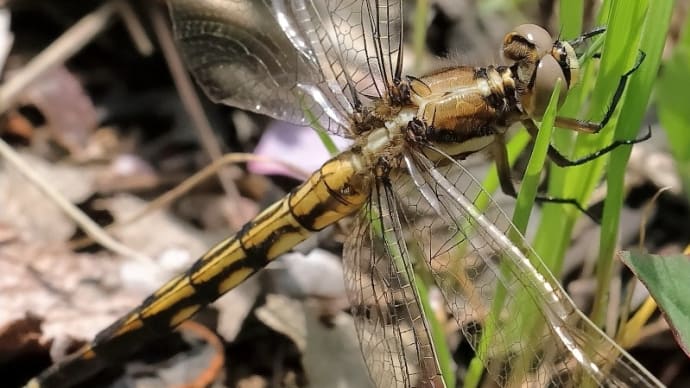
(539, 62)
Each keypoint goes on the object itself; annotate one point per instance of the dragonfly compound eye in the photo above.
(527, 41)
(549, 71)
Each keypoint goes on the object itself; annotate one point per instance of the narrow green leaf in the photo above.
(535, 166)
(445, 359)
(651, 42)
(571, 26)
(320, 130)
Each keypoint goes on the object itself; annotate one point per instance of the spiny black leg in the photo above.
(562, 161)
(586, 126)
(620, 88)
(500, 155)
(541, 199)
(587, 36)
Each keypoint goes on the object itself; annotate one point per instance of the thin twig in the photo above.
(204, 174)
(90, 228)
(193, 106)
(185, 186)
(136, 30)
(647, 210)
(630, 329)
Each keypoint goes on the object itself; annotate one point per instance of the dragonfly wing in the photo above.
(495, 292)
(261, 56)
(369, 40)
(392, 330)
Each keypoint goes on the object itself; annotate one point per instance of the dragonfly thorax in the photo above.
(465, 108)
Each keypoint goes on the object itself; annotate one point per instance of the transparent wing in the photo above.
(245, 54)
(497, 295)
(297, 61)
(369, 39)
(390, 325)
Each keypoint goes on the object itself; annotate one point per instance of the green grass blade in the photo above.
(652, 42)
(571, 26)
(554, 232)
(535, 166)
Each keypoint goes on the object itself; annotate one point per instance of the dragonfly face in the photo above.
(539, 63)
(339, 65)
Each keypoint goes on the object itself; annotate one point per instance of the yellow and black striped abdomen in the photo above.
(335, 191)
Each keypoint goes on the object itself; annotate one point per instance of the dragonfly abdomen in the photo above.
(330, 194)
(326, 197)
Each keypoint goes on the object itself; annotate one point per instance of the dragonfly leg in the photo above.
(500, 155)
(587, 36)
(416, 130)
(593, 126)
(563, 161)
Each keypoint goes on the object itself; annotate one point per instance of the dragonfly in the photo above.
(337, 65)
